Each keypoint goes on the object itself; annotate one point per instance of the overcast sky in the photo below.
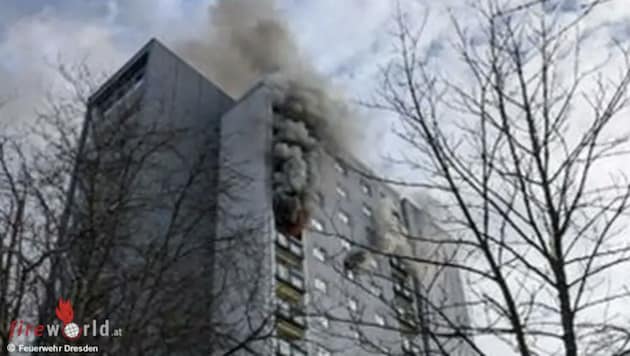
(346, 39)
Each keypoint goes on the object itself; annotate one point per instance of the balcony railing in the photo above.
(406, 317)
(291, 312)
(409, 348)
(403, 290)
(290, 244)
(395, 262)
(290, 276)
(286, 348)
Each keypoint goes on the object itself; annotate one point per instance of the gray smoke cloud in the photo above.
(390, 234)
(246, 41)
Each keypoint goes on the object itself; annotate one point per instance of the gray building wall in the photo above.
(156, 122)
(244, 257)
(338, 337)
(250, 121)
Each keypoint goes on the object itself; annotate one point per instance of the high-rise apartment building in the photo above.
(321, 288)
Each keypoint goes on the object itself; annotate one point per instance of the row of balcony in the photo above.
(290, 321)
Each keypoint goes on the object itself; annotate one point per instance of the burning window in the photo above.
(350, 274)
(374, 264)
(294, 175)
(345, 244)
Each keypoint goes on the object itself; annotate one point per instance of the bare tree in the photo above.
(118, 215)
(525, 154)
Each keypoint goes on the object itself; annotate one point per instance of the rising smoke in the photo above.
(247, 41)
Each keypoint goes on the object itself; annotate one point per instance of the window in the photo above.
(283, 304)
(289, 243)
(322, 321)
(366, 189)
(345, 244)
(374, 263)
(355, 334)
(322, 351)
(128, 83)
(350, 274)
(376, 290)
(367, 211)
(344, 217)
(283, 272)
(380, 320)
(396, 217)
(339, 167)
(406, 344)
(289, 275)
(319, 253)
(352, 304)
(295, 248)
(317, 225)
(320, 285)
(319, 198)
(284, 348)
(282, 240)
(395, 261)
(342, 192)
(297, 280)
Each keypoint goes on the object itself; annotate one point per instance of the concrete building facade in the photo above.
(306, 296)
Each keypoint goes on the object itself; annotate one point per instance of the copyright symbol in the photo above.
(10, 347)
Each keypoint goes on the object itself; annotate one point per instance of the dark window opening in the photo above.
(127, 83)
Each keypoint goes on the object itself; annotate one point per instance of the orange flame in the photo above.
(64, 311)
(296, 228)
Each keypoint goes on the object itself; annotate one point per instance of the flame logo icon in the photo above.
(70, 330)
(64, 311)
